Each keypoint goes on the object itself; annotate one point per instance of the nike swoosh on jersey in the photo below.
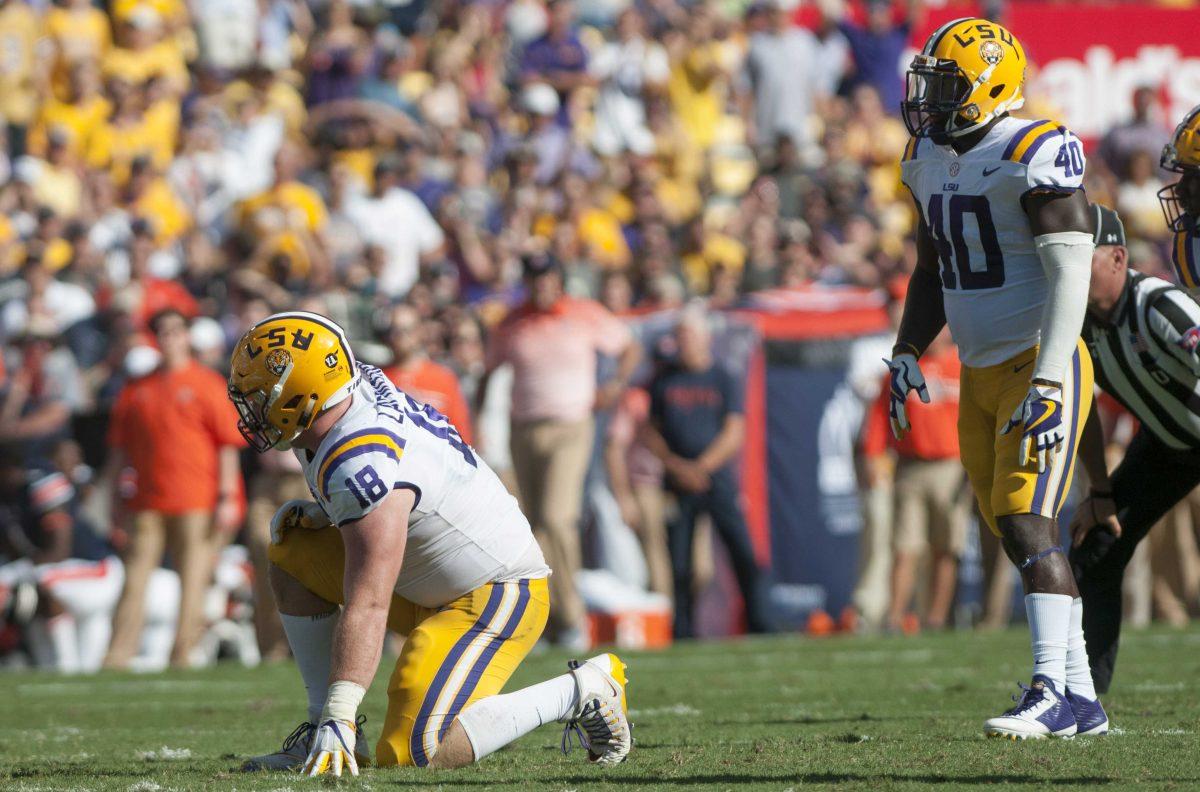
(1023, 365)
(987, 172)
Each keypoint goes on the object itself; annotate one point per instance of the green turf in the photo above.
(781, 713)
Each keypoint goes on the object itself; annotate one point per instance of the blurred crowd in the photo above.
(172, 172)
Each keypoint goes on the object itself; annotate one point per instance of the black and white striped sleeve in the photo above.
(1173, 318)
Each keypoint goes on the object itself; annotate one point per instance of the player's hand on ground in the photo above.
(332, 750)
(906, 376)
(1095, 511)
(1040, 415)
(297, 514)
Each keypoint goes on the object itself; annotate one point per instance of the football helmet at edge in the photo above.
(1182, 155)
(970, 72)
(285, 371)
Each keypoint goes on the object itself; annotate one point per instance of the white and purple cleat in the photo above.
(1040, 712)
(1090, 718)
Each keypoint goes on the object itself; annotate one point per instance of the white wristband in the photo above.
(342, 700)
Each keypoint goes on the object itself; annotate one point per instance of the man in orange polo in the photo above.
(414, 373)
(932, 504)
(553, 342)
(178, 432)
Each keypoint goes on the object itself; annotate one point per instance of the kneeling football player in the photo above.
(410, 531)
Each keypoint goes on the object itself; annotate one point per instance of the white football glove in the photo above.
(906, 376)
(297, 514)
(332, 749)
(1041, 415)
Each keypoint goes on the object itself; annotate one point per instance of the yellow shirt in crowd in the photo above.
(80, 121)
(18, 38)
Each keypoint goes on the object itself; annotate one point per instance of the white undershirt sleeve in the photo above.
(1067, 259)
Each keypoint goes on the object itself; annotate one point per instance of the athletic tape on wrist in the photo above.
(1033, 559)
(342, 700)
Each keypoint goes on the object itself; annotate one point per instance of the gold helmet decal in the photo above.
(969, 72)
(285, 371)
(1181, 200)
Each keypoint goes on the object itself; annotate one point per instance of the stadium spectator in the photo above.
(557, 58)
(394, 220)
(552, 343)
(42, 389)
(696, 429)
(177, 431)
(629, 70)
(876, 48)
(932, 502)
(414, 373)
(636, 478)
(1143, 133)
(781, 61)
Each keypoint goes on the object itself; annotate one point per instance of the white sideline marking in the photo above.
(883, 657)
(92, 688)
(166, 753)
(1158, 687)
(682, 710)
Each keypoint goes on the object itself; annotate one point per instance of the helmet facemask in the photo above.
(936, 91)
(1180, 201)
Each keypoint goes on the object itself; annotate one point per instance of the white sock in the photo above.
(94, 632)
(1079, 674)
(311, 639)
(1049, 622)
(496, 721)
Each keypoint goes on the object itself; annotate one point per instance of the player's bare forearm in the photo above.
(924, 305)
(1091, 453)
(374, 554)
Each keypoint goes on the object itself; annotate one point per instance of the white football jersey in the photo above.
(992, 278)
(465, 529)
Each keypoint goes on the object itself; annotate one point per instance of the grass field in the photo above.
(780, 713)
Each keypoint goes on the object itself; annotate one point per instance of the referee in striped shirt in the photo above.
(1142, 333)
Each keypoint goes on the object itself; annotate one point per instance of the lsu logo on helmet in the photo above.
(285, 371)
(969, 72)
(1182, 155)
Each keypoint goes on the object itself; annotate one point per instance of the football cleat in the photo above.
(1090, 718)
(1040, 712)
(295, 750)
(600, 719)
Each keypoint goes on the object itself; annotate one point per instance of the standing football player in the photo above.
(1181, 200)
(1004, 256)
(410, 531)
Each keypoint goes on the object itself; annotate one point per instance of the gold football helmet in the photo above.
(285, 371)
(1182, 155)
(970, 71)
